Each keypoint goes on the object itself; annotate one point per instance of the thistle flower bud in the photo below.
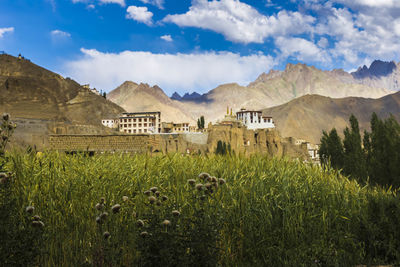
(30, 209)
(98, 220)
(38, 224)
(3, 175)
(176, 213)
(144, 234)
(6, 116)
(99, 206)
(147, 193)
(153, 189)
(199, 187)
(133, 214)
(140, 223)
(191, 181)
(166, 222)
(125, 198)
(157, 193)
(208, 186)
(106, 235)
(213, 179)
(102, 200)
(152, 200)
(221, 181)
(164, 198)
(10, 127)
(203, 197)
(4, 137)
(36, 218)
(104, 215)
(204, 175)
(116, 208)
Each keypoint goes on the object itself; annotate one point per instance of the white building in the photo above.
(111, 123)
(254, 119)
(140, 122)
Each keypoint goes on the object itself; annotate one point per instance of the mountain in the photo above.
(380, 74)
(307, 116)
(135, 97)
(44, 102)
(30, 91)
(278, 87)
(196, 97)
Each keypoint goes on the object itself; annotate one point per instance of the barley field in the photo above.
(174, 210)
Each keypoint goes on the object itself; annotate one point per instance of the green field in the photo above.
(270, 212)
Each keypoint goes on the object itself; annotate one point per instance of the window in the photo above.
(140, 120)
(129, 120)
(140, 125)
(134, 131)
(144, 124)
(134, 125)
(129, 125)
(129, 131)
(134, 120)
(125, 120)
(140, 130)
(125, 125)
(145, 130)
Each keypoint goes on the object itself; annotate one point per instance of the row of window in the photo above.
(138, 120)
(136, 125)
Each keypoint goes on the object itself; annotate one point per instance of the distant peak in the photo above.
(176, 96)
(378, 68)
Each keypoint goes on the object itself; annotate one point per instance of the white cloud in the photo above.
(301, 49)
(58, 33)
(140, 14)
(370, 3)
(120, 2)
(157, 3)
(240, 22)
(167, 38)
(172, 72)
(5, 30)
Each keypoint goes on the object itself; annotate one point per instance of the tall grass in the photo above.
(273, 212)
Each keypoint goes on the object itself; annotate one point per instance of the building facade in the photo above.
(254, 119)
(171, 127)
(140, 122)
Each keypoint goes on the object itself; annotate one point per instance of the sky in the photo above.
(196, 45)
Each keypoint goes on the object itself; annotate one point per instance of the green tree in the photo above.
(385, 151)
(331, 149)
(202, 122)
(219, 150)
(354, 158)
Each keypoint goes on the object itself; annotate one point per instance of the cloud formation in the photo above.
(120, 2)
(58, 33)
(240, 22)
(157, 3)
(5, 30)
(172, 72)
(167, 38)
(140, 14)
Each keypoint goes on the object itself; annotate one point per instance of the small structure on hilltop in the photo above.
(254, 119)
(140, 122)
(111, 123)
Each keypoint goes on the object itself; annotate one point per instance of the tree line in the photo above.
(375, 157)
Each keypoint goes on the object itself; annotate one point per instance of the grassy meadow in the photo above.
(142, 210)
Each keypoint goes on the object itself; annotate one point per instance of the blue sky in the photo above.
(186, 46)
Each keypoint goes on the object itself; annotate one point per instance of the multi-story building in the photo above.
(111, 123)
(254, 119)
(171, 127)
(140, 122)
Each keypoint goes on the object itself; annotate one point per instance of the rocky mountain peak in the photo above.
(378, 68)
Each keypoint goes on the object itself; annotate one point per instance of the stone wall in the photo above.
(126, 143)
(242, 141)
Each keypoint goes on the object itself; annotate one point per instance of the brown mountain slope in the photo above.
(141, 97)
(30, 91)
(278, 87)
(43, 102)
(307, 116)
